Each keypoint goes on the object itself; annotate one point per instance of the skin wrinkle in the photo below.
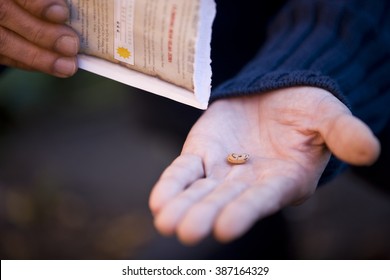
(182, 166)
(8, 61)
(275, 141)
(39, 35)
(230, 191)
(206, 184)
(34, 58)
(3, 38)
(252, 214)
(196, 193)
(204, 172)
(239, 137)
(3, 10)
(23, 3)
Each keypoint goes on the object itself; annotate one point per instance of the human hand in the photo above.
(33, 36)
(289, 134)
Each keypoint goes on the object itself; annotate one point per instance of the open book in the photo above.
(161, 46)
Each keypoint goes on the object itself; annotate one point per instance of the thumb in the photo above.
(350, 139)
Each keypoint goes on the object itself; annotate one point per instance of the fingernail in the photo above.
(67, 45)
(57, 13)
(65, 67)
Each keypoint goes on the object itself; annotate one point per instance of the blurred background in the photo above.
(78, 158)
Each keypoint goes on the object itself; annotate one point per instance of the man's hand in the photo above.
(33, 36)
(289, 135)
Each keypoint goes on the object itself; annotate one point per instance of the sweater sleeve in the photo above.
(340, 46)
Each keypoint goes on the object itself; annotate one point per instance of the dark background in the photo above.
(78, 158)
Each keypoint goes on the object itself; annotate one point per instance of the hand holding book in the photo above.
(33, 37)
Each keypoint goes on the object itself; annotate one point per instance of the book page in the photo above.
(165, 39)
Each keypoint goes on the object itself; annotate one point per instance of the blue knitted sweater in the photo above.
(340, 46)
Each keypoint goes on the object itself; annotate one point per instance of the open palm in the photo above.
(289, 135)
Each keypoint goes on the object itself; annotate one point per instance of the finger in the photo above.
(183, 171)
(351, 140)
(252, 205)
(6, 61)
(58, 38)
(170, 216)
(24, 53)
(199, 220)
(52, 10)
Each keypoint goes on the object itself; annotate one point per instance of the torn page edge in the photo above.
(202, 67)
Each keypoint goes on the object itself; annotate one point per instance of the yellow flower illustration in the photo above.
(123, 52)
